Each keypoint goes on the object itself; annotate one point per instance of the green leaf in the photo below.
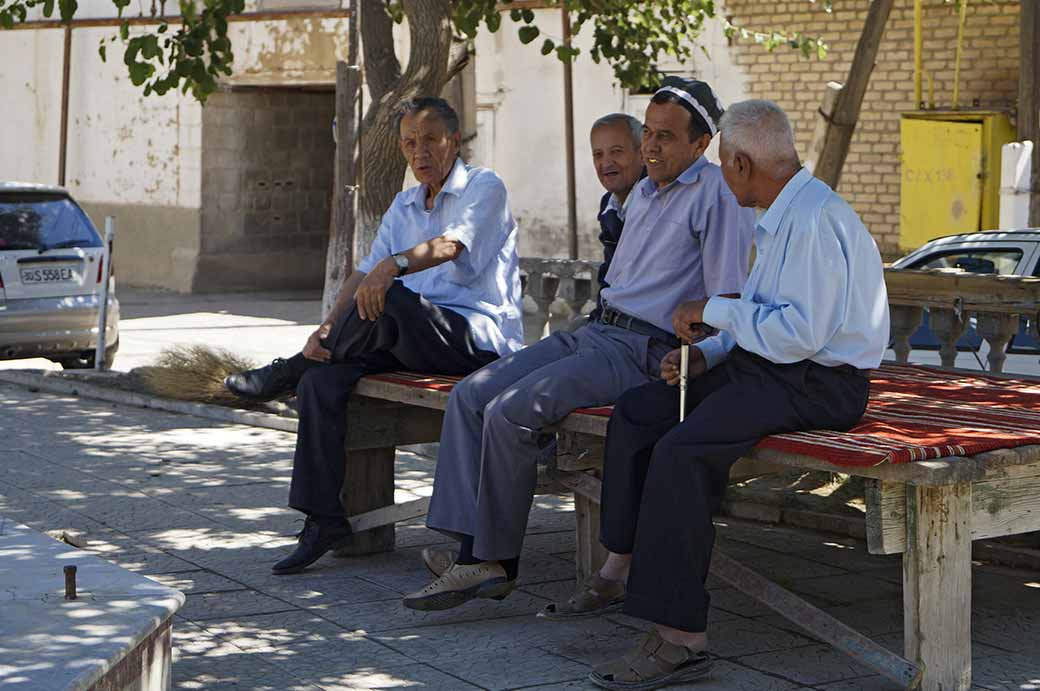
(494, 21)
(515, 14)
(528, 15)
(140, 72)
(124, 30)
(48, 8)
(67, 9)
(528, 34)
(101, 51)
(548, 46)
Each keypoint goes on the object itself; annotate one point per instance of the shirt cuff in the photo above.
(713, 350)
(717, 312)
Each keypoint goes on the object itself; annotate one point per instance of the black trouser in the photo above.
(413, 334)
(663, 479)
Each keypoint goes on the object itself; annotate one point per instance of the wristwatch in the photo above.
(402, 264)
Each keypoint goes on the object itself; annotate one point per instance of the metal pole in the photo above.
(64, 136)
(106, 272)
(568, 123)
(918, 52)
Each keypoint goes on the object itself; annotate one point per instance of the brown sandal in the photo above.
(595, 595)
(655, 663)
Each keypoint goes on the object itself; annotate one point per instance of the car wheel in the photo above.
(87, 358)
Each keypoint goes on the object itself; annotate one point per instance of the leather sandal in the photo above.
(655, 663)
(595, 595)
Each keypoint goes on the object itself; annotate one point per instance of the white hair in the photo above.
(760, 130)
(635, 127)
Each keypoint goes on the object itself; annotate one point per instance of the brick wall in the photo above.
(267, 169)
(870, 180)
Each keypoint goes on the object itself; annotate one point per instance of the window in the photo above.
(43, 221)
(1002, 262)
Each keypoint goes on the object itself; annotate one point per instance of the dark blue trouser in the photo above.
(663, 479)
(413, 334)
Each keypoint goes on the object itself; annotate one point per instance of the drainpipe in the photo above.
(64, 137)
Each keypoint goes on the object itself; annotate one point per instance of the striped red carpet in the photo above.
(915, 413)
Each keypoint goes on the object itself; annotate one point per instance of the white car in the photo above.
(1005, 253)
(51, 266)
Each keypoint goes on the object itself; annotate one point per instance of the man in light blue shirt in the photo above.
(438, 293)
(685, 238)
(792, 354)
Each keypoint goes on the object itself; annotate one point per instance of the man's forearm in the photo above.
(431, 253)
(345, 300)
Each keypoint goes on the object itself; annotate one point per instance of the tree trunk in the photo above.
(846, 110)
(382, 165)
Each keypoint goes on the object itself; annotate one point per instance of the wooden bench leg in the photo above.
(590, 553)
(937, 585)
(369, 484)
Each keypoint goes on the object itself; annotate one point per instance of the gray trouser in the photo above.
(487, 464)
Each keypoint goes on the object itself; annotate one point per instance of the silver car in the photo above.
(51, 266)
(1003, 252)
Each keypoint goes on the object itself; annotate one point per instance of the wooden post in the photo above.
(1028, 98)
(590, 552)
(937, 585)
(369, 485)
(846, 111)
(339, 260)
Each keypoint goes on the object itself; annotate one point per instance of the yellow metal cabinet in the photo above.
(950, 178)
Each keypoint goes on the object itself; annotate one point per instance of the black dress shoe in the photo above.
(266, 383)
(314, 541)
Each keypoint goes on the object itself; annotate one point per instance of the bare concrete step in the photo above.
(115, 635)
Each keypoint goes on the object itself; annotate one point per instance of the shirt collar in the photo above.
(687, 177)
(454, 185)
(770, 220)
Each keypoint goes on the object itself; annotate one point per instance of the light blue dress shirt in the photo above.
(816, 292)
(685, 241)
(483, 282)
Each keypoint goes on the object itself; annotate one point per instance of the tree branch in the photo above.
(459, 60)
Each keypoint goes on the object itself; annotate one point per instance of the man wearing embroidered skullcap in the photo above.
(792, 354)
(685, 239)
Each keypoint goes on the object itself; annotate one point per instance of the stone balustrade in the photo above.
(559, 291)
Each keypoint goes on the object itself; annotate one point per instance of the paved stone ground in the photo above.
(201, 506)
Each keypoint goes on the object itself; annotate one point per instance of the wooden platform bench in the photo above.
(928, 510)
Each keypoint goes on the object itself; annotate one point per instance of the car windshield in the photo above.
(42, 222)
(977, 261)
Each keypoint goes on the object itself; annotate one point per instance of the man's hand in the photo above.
(687, 321)
(313, 349)
(670, 365)
(370, 297)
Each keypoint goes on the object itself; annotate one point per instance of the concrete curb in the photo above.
(54, 383)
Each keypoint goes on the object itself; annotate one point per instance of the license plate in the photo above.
(50, 274)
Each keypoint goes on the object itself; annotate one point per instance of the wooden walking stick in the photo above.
(684, 371)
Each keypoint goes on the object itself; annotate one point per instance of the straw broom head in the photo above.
(194, 373)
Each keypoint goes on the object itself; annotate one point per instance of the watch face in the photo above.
(402, 263)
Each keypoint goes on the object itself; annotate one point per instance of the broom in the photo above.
(194, 373)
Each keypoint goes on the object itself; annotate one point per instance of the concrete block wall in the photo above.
(267, 170)
(870, 181)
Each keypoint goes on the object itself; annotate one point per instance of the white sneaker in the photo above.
(462, 583)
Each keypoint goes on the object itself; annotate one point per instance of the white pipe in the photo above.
(1015, 179)
(106, 257)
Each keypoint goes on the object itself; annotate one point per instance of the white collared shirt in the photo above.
(483, 283)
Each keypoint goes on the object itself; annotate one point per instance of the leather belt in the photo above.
(612, 317)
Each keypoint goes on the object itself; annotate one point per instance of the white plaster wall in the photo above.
(123, 147)
(520, 124)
